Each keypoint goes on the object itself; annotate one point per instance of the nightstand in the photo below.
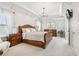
(14, 39)
(1, 52)
(53, 31)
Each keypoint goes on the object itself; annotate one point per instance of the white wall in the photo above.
(75, 28)
(22, 19)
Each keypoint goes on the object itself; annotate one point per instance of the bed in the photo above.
(40, 39)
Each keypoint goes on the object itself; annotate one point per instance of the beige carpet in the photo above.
(57, 47)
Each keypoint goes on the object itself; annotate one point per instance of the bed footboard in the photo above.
(34, 43)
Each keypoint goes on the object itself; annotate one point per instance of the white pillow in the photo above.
(0, 40)
(28, 30)
(32, 30)
(4, 39)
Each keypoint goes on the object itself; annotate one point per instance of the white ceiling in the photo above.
(51, 8)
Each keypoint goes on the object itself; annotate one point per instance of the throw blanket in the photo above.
(4, 45)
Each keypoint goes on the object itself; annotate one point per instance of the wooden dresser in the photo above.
(14, 39)
(53, 31)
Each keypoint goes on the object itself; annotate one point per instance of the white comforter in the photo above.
(38, 36)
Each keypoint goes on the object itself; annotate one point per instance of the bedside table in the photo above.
(1, 52)
(14, 39)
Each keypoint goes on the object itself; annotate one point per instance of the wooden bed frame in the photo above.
(33, 42)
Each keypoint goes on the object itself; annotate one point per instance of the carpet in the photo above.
(57, 47)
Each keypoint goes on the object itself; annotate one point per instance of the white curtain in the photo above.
(5, 21)
(2, 17)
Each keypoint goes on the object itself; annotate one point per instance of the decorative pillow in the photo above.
(32, 30)
(28, 30)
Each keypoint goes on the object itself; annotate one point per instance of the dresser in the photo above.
(14, 39)
(53, 31)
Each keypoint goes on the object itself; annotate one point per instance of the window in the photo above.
(3, 18)
(5, 21)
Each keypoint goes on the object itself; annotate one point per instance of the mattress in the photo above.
(38, 36)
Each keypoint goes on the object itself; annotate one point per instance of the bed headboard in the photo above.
(25, 26)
